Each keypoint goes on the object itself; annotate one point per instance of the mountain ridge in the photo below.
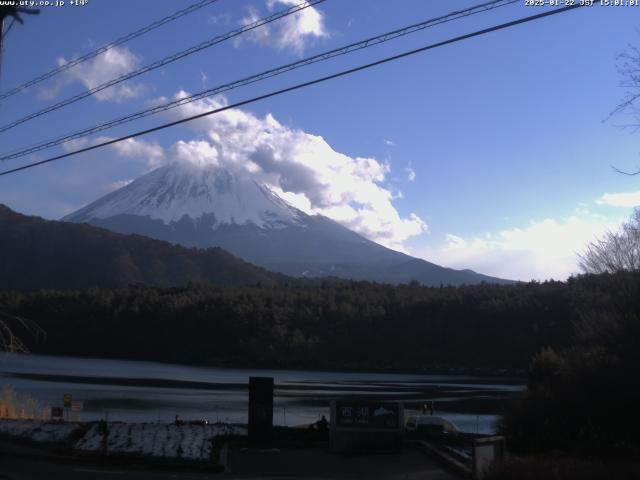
(48, 254)
(198, 206)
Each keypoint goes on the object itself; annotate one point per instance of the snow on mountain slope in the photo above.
(181, 189)
(209, 206)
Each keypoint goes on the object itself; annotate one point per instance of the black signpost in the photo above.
(260, 411)
(66, 403)
(57, 413)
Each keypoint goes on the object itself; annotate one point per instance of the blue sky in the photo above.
(493, 154)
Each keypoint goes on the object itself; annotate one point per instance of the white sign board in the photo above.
(486, 451)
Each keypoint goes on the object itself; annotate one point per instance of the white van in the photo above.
(431, 425)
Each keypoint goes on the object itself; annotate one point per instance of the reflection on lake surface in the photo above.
(149, 392)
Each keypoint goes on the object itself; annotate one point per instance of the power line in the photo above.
(261, 76)
(165, 61)
(300, 86)
(369, 42)
(108, 46)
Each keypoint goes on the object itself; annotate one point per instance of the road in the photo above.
(29, 469)
(409, 465)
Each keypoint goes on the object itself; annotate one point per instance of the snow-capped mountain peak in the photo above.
(180, 190)
(208, 206)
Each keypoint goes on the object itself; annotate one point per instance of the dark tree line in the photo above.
(584, 397)
(329, 325)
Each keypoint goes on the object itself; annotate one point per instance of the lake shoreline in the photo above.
(144, 391)
(516, 375)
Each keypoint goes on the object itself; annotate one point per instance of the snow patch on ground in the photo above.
(39, 431)
(191, 442)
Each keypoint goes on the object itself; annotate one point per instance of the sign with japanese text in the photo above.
(367, 415)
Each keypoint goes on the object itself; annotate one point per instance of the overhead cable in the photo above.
(299, 86)
(164, 61)
(108, 46)
(360, 45)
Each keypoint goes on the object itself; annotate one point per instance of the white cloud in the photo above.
(411, 173)
(223, 18)
(107, 66)
(302, 167)
(76, 144)
(118, 184)
(260, 35)
(623, 199)
(152, 153)
(390, 143)
(540, 250)
(293, 32)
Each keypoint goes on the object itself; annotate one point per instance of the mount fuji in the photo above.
(209, 206)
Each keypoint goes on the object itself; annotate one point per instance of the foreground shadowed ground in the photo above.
(566, 468)
(298, 463)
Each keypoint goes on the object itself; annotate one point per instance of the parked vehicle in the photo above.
(431, 426)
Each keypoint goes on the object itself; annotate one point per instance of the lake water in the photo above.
(147, 391)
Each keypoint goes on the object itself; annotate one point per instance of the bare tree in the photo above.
(629, 69)
(615, 251)
(9, 341)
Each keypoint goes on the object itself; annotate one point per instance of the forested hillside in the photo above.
(347, 325)
(40, 254)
